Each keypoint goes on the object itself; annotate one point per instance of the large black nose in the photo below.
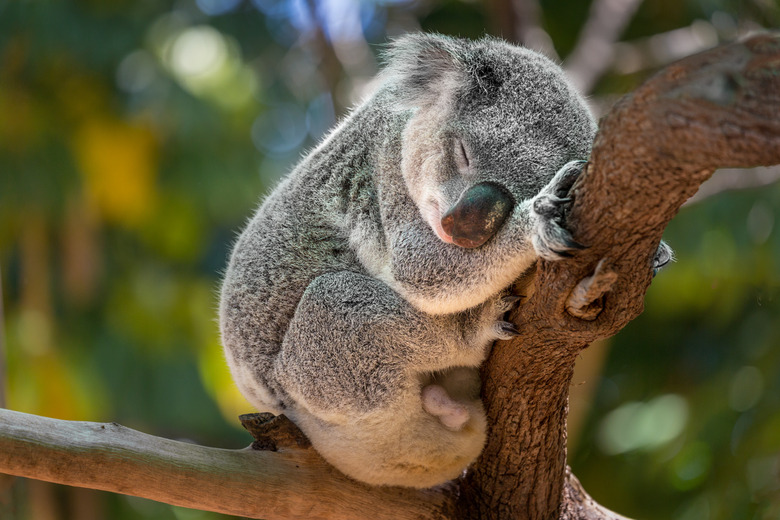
(478, 214)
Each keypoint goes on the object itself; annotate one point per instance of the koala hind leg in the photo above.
(387, 394)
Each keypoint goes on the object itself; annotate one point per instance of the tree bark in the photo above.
(719, 108)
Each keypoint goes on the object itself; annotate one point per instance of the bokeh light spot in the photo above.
(280, 130)
(136, 72)
(637, 425)
(760, 222)
(746, 388)
(198, 51)
(691, 466)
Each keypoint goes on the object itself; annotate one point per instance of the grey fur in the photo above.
(342, 302)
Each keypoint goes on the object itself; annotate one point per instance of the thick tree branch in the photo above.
(577, 504)
(285, 484)
(717, 109)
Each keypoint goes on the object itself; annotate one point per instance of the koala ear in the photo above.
(423, 67)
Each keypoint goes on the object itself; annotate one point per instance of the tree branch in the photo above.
(285, 484)
(577, 504)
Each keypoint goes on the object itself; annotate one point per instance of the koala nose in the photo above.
(478, 214)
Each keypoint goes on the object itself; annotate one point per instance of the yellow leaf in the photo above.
(118, 162)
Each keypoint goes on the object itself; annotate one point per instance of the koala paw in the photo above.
(663, 255)
(482, 325)
(551, 240)
(498, 327)
(505, 330)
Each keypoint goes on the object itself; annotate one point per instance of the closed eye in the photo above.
(462, 156)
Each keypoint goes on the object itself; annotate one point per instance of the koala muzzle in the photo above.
(477, 215)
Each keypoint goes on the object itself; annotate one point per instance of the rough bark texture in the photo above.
(577, 504)
(717, 109)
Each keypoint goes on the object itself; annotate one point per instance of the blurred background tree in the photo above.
(136, 137)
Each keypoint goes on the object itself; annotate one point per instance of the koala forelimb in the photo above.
(364, 294)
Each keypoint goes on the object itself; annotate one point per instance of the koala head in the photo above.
(491, 125)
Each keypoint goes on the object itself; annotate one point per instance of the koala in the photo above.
(364, 294)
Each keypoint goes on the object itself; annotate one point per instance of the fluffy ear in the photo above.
(423, 67)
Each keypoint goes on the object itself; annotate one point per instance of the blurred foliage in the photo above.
(137, 136)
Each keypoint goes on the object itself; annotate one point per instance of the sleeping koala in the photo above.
(366, 291)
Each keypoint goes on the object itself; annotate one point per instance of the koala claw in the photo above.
(565, 177)
(551, 240)
(508, 303)
(663, 255)
(550, 206)
(506, 330)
